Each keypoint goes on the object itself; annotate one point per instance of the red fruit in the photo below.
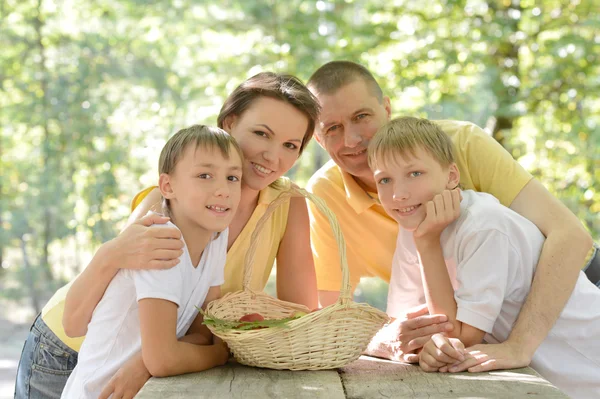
(252, 317)
(315, 310)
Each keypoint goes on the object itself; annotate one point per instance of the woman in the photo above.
(272, 117)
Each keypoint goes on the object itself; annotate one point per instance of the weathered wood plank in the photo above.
(376, 378)
(236, 381)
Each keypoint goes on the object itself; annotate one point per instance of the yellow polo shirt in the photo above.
(264, 257)
(370, 234)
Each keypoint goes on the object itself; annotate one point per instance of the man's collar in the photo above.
(356, 196)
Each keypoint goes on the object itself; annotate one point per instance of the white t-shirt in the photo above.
(491, 253)
(114, 335)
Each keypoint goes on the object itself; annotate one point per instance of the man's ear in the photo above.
(453, 177)
(229, 123)
(165, 187)
(317, 138)
(388, 107)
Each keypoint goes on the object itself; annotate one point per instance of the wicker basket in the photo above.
(326, 339)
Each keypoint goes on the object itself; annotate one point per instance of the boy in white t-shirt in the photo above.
(156, 310)
(473, 260)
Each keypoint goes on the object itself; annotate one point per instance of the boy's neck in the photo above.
(196, 238)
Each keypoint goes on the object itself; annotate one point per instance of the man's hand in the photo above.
(486, 357)
(441, 211)
(401, 339)
(140, 246)
(441, 351)
(127, 381)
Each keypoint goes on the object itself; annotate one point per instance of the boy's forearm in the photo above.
(86, 291)
(180, 358)
(559, 265)
(198, 338)
(439, 293)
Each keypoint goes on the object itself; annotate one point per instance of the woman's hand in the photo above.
(140, 246)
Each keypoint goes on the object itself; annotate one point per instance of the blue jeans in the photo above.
(45, 365)
(592, 269)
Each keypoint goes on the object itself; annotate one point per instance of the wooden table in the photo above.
(365, 378)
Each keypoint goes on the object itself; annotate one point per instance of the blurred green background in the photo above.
(91, 90)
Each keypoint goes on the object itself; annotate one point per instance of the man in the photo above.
(353, 108)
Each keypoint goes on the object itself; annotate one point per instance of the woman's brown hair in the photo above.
(286, 88)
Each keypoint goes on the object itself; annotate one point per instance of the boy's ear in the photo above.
(453, 177)
(229, 122)
(165, 187)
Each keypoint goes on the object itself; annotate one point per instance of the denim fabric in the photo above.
(45, 365)
(592, 269)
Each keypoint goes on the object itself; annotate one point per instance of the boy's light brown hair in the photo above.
(200, 136)
(207, 137)
(403, 135)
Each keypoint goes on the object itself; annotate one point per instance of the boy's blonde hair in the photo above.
(208, 137)
(405, 134)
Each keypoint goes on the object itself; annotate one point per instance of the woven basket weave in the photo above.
(329, 338)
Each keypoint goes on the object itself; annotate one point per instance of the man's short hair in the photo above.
(335, 74)
(404, 134)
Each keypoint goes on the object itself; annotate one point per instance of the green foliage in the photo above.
(89, 91)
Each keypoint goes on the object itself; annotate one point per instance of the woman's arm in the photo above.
(162, 353)
(296, 279)
(138, 247)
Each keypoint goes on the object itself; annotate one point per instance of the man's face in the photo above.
(349, 119)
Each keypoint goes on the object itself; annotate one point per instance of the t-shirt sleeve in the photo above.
(403, 294)
(159, 284)
(491, 168)
(482, 276)
(324, 246)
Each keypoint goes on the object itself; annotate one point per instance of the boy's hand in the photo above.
(221, 351)
(127, 381)
(487, 357)
(441, 351)
(441, 211)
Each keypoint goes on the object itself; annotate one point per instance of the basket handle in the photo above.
(295, 191)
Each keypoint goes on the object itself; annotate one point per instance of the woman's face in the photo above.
(270, 133)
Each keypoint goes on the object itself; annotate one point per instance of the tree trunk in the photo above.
(46, 161)
(506, 59)
(29, 278)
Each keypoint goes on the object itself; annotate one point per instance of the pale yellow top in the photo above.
(370, 234)
(264, 258)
